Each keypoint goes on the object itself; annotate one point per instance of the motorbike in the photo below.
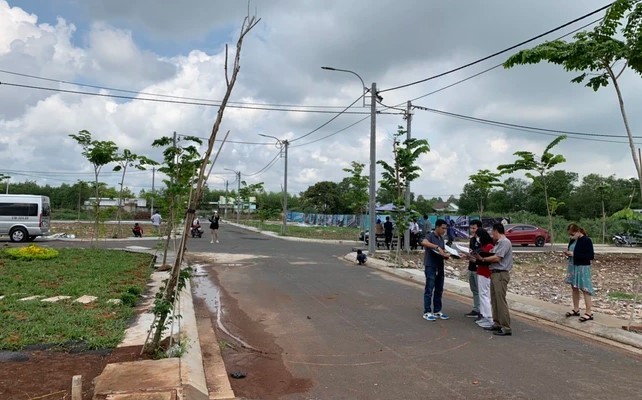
(197, 231)
(621, 239)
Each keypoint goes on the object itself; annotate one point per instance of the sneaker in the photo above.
(485, 322)
(441, 315)
(472, 314)
(217, 241)
(211, 241)
(429, 317)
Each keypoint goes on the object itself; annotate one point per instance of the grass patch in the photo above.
(106, 274)
(313, 232)
(616, 295)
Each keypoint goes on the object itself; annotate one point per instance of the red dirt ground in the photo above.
(47, 374)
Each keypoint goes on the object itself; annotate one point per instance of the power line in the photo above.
(495, 66)
(214, 102)
(498, 52)
(191, 103)
(268, 166)
(332, 134)
(531, 129)
(344, 111)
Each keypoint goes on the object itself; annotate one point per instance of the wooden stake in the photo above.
(76, 387)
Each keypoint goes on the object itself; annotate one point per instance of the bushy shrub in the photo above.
(32, 252)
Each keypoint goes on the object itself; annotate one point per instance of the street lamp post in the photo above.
(372, 242)
(284, 145)
(238, 194)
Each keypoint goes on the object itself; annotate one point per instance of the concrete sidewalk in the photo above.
(169, 378)
(604, 328)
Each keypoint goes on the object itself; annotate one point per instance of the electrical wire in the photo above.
(215, 102)
(498, 52)
(344, 111)
(535, 130)
(332, 134)
(191, 103)
(268, 166)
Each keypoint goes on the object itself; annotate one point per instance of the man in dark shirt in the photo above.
(387, 232)
(434, 269)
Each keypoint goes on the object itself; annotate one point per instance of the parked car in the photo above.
(527, 234)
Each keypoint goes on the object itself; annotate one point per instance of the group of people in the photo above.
(490, 261)
(418, 229)
(156, 221)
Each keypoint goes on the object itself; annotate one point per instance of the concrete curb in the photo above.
(184, 376)
(603, 327)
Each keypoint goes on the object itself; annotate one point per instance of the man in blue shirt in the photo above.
(434, 257)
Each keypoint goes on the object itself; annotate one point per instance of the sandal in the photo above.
(573, 313)
(586, 317)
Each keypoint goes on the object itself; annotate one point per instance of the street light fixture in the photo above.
(238, 194)
(284, 144)
(372, 193)
(363, 85)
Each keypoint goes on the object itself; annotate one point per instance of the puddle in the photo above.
(207, 291)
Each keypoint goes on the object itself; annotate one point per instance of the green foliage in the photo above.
(322, 197)
(538, 170)
(106, 274)
(483, 182)
(356, 196)
(32, 252)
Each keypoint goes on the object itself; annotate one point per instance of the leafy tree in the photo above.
(322, 197)
(538, 168)
(99, 153)
(248, 191)
(469, 199)
(396, 177)
(513, 196)
(423, 205)
(617, 40)
(124, 160)
(560, 185)
(356, 195)
(484, 181)
(181, 159)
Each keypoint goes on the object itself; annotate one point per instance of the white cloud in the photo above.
(120, 44)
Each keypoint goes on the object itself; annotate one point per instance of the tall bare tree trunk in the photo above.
(248, 24)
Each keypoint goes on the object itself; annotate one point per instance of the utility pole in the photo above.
(285, 189)
(153, 194)
(407, 204)
(238, 197)
(226, 202)
(372, 242)
(79, 194)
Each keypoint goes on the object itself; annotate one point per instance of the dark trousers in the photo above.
(388, 239)
(434, 288)
(498, 288)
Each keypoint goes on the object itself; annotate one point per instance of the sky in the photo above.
(177, 50)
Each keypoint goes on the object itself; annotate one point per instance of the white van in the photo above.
(24, 216)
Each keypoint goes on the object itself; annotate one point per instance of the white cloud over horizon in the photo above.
(121, 44)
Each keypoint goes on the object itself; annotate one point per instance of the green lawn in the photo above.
(316, 232)
(106, 274)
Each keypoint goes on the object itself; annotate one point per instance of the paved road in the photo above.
(356, 333)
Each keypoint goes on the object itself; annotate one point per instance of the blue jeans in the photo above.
(434, 288)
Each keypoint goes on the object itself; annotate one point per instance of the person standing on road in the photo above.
(434, 257)
(426, 228)
(501, 262)
(485, 319)
(387, 232)
(414, 234)
(156, 222)
(474, 246)
(580, 253)
(214, 219)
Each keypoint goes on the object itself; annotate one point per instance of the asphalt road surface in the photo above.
(357, 333)
(352, 332)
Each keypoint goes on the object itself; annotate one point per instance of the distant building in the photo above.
(229, 203)
(445, 207)
(129, 205)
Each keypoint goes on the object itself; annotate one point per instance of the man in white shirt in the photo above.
(156, 222)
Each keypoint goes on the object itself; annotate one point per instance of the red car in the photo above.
(527, 234)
